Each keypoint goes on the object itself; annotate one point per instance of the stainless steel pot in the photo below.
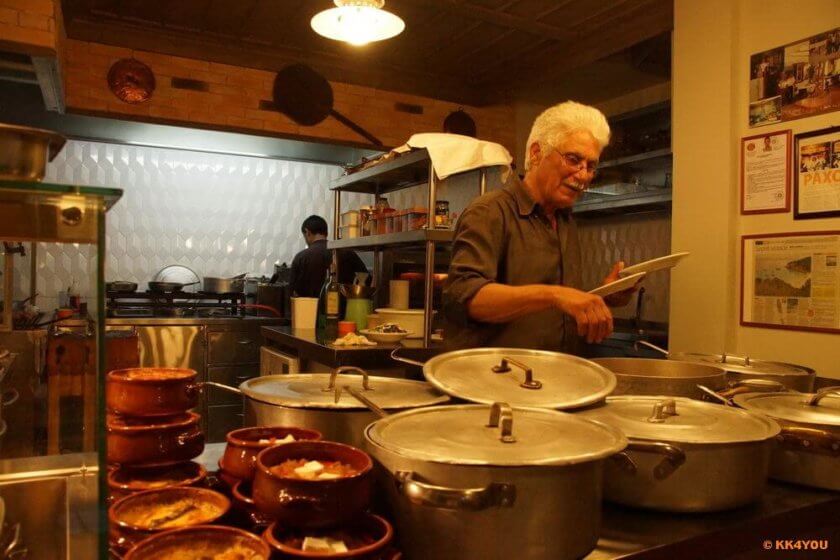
(647, 376)
(214, 285)
(526, 484)
(24, 151)
(315, 401)
(517, 376)
(809, 449)
(685, 455)
(743, 368)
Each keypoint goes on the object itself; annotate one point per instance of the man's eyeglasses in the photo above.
(579, 162)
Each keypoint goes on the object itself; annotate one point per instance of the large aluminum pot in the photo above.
(743, 368)
(315, 401)
(518, 376)
(526, 484)
(216, 285)
(685, 455)
(809, 449)
(24, 151)
(647, 376)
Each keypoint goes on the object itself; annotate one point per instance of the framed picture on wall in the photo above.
(816, 191)
(797, 80)
(765, 173)
(791, 281)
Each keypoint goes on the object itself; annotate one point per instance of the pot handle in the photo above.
(494, 495)
(185, 440)
(810, 440)
(653, 347)
(674, 456)
(815, 399)
(501, 416)
(10, 397)
(342, 369)
(529, 383)
(752, 386)
(222, 386)
(408, 361)
(720, 398)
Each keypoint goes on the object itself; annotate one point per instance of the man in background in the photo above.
(310, 266)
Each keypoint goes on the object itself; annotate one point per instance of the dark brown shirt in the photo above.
(504, 237)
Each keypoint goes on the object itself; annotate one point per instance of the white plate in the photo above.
(617, 286)
(390, 337)
(662, 263)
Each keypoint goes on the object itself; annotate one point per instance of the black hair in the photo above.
(316, 225)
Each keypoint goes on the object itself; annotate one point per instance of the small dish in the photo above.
(385, 337)
(618, 286)
(661, 263)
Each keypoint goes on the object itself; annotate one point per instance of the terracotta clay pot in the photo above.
(124, 481)
(154, 442)
(125, 534)
(317, 503)
(243, 445)
(243, 502)
(206, 539)
(145, 392)
(374, 531)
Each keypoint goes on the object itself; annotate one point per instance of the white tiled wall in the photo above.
(220, 215)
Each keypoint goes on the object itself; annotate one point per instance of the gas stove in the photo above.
(174, 304)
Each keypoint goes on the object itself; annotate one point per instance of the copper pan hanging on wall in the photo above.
(131, 81)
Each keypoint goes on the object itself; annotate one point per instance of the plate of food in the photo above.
(386, 332)
(661, 263)
(619, 285)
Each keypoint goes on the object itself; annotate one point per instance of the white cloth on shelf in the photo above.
(453, 153)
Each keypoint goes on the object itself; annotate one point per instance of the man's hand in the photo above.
(622, 298)
(594, 320)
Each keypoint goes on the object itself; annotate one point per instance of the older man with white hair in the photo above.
(515, 274)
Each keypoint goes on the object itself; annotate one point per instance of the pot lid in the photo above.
(462, 434)
(678, 419)
(488, 375)
(741, 364)
(794, 407)
(307, 390)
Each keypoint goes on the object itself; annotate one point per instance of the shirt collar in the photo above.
(525, 204)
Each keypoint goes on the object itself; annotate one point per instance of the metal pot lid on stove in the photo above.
(318, 391)
(741, 364)
(462, 435)
(822, 407)
(682, 420)
(520, 377)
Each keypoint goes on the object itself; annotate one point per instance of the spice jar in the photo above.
(442, 214)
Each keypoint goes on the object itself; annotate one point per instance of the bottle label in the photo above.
(332, 303)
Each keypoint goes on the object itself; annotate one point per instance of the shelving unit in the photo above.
(408, 170)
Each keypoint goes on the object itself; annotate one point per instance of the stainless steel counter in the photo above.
(309, 344)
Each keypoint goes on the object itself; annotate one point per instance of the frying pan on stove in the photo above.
(168, 287)
(306, 97)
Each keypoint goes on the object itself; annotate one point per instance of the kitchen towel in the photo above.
(453, 153)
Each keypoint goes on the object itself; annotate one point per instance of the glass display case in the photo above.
(52, 365)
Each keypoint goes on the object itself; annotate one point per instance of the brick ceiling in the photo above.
(468, 51)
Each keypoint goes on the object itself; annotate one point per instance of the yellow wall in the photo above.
(713, 41)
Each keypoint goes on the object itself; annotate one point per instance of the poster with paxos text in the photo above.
(791, 281)
(796, 80)
(816, 192)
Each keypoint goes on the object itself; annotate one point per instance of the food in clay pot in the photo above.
(243, 446)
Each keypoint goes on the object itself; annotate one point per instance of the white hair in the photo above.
(557, 122)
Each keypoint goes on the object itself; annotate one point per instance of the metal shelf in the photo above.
(401, 172)
(664, 152)
(388, 240)
(634, 202)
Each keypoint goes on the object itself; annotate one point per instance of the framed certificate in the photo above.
(765, 173)
(791, 281)
(816, 192)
